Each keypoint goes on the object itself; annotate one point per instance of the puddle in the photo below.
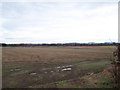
(51, 71)
(64, 66)
(33, 73)
(45, 72)
(66, 69)
(17, 69)
(58, 67)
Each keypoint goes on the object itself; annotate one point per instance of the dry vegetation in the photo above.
(43, 66)
(55, 54)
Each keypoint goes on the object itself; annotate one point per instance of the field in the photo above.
(55, 67)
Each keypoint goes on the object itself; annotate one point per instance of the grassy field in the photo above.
(58, 67)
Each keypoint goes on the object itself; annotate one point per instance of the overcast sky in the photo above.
(58, 22)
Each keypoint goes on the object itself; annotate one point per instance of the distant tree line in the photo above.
(61, 44)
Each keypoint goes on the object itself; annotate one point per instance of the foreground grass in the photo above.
(54, 76)
(92, 80)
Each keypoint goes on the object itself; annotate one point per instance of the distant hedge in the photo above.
(61, 44)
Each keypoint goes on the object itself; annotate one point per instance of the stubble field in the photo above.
(56, 67)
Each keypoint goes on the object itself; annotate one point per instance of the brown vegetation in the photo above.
(53, 54)
(116, 67)
(46, 66)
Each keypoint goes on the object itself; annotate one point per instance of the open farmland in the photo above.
(36, 67)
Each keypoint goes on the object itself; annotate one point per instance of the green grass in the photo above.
(94, 64)
(78, 47)
(81, 67)
(62, 83)
(21, 72)
(97, 80)
(105, 82)
(94, 67)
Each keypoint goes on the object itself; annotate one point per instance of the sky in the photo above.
(58, 22)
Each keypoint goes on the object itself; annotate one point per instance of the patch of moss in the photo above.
(105, 82)
(62, 83)
(94, 64)
(21, 72)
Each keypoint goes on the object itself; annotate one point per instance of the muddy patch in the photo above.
(57, 69)
(16, 69)
(33, 73)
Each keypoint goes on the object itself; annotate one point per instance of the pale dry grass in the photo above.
(55, 54)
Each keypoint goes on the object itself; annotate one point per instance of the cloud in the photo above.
(59, 1)
(59, 22)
